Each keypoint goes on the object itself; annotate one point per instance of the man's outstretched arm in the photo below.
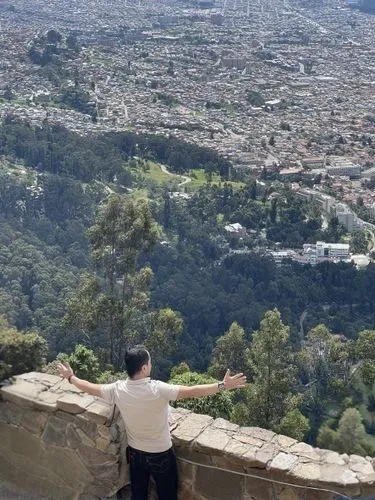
(197, 391)
(85, 386)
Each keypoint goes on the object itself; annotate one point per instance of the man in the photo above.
(144, 406)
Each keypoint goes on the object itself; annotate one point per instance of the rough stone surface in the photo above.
(212, 440)
(191, 427)
(49, 450)
(284, 461)
(56, 442)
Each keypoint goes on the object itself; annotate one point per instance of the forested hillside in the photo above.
(95, 255)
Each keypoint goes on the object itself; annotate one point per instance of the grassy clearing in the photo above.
(155, 173)
(199, 179)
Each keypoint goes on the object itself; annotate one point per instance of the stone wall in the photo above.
(59, 443)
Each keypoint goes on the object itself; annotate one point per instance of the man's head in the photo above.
(138, 362)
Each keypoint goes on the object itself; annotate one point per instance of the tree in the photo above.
(325, 365)
(273, 211)
(351, 432)
(294, 424)
(272, 141)
(217, 405)
(231, 352)
(327, 438)
(365, 351)
(20, 352)
(117, 301)
(270, 397)
(83, 362)
(359, 243)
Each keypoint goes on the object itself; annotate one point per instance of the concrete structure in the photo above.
(336, 250)
(342, 167)
(346, 217)
(57, 443)
(313, 162)
(236, 229)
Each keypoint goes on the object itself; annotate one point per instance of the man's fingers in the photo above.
(239, 375)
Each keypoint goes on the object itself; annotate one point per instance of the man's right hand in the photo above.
(65, 370)
(235, 382)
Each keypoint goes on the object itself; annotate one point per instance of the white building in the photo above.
(236, 230)
(333, 250)
(342, 166)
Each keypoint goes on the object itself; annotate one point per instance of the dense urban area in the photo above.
(198, 175)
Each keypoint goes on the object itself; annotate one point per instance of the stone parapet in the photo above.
(57, 442)
(250, 463)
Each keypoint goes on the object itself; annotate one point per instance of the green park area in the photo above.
(198, 177)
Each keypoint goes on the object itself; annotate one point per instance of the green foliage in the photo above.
(327, 438)
(217, 405)
(180, 369)
(20, 352)
(294, 424)
(107, 377)
(255, 98)
(231, 352)
(351, 432)
(274, 371)
(365, 345)
(359, 243)
(325, 366)
(83, 362)
(118, 304)
(350, 436)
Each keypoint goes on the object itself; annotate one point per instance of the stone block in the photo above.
(34, 421)
(341, 477)
(307, 472)
(266, 454)
(100, 412)
(212, 440)
(59, 467)
(235, 449)
(54, 432)
(250, 459)
(305, 450)
(252, 441)
(22, 393)
(93, 457)
(221, 423)
(47, 401)
(284, 442)
(10, 413)
(364, 467)
(90, 428)
(331, 457)
(258, 433)
(283, 462)
(74, 403)
(190, 428)
(40, 378)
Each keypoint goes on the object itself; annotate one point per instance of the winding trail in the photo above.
(185, 177)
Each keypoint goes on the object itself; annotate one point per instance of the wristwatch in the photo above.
(221, 386)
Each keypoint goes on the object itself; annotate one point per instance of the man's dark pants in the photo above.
(161, 466)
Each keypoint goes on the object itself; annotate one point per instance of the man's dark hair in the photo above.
(135, 358)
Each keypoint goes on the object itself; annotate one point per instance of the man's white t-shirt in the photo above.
(144, 407)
